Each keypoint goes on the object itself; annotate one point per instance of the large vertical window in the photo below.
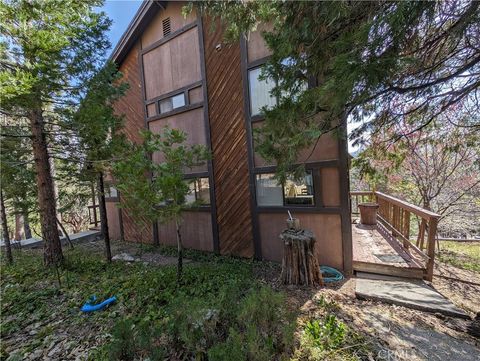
(293, 192)
(260, 92)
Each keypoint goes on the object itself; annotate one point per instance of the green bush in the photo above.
(327, 334)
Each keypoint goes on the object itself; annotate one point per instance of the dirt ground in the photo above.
(399, 333)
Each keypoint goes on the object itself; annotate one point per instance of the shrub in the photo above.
(327, 334)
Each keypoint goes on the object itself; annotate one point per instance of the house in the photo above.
(182, 74)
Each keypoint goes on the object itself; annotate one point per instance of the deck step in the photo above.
(388, 270)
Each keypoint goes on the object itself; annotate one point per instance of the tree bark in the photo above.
(6, 237)
(46, 195)
(180, 253)
(102, 206)
(26, 226)
(18, 227)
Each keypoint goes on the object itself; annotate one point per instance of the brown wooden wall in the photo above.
(131, 106)
(113, 220)
(229, 144)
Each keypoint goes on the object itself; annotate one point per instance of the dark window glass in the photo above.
(260, 92)
(199, 191)
(293, 192)
(299, 192)
(169, 104)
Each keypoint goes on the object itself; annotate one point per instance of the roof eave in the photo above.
(144, 14)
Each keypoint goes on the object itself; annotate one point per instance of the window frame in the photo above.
(284, 204)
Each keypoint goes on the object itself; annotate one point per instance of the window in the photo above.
(293, 192)
(269, 192)
(299, 192)
(174, 102)
(110, 191)
(199, 191)
(260, 92)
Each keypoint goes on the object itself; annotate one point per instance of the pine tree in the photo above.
(163, 198)
(372, 62)
(98, 130)
(49, 50)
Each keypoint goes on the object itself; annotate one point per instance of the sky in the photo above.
(121, 12)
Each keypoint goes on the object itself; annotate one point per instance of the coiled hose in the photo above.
(331, 274)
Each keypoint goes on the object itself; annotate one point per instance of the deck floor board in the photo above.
(374, 244)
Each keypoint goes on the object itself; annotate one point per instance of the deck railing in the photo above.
(414, 227)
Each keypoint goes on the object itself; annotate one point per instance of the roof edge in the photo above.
(144, 14)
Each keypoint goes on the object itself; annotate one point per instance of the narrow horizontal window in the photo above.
(171, 103)
(260, 92)
(293, 192)
(199, 192)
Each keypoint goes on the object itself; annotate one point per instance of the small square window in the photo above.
(110, 191)
(269, 192)
(178, 101)
(293, 192)
(199, 191)
(169, 104)
(299, 192)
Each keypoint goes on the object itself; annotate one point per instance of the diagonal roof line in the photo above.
(144, 14)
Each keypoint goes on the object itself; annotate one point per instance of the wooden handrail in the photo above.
(424, 213)
(395, 215)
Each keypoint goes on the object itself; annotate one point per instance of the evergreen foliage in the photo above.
(372, 62)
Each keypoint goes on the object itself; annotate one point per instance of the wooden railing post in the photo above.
(432, 232)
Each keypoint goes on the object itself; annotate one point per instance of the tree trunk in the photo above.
(18, 227)
(180, 253)
(46, 195)
(102, 206)
(6, 237)
(26, 226)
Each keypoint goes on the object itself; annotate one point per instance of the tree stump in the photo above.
(299, 266)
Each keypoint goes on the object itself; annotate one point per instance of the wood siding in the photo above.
(229, 144)
(131, 104)
(196, 231)
(132, 107)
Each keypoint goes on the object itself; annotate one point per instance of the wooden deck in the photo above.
(376, 251)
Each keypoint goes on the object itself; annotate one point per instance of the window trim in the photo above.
(188, 105)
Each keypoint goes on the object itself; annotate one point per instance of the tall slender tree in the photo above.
(5, 235)
(49, 49)
(163, 198)
(98, 128)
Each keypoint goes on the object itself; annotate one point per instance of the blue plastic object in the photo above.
(331, 274)
(90, 307)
